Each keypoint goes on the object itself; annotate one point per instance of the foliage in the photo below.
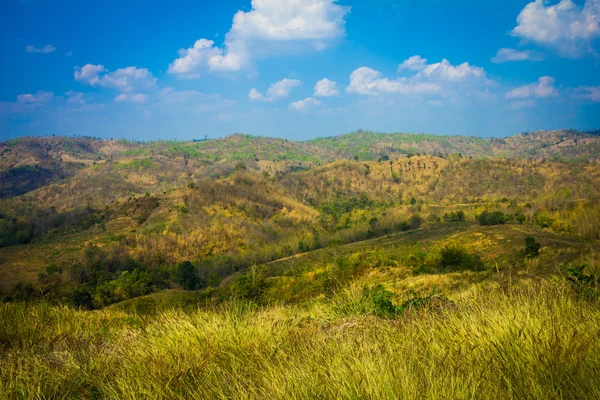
(251, 285)
(458, 216)
(454, 258)
(586, 284)
(491, 218)
(187, 277)
(532, 247)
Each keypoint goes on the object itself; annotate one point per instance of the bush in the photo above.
(532, 248)
(492, 218)
(456, 258)
(587, 285)
(251, 285)
(382, 305)
(186, 276)
(415, 222)
(454, 217)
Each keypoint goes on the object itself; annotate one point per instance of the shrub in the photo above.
(186, 276)
(587, 285)
(456, 258)
(492, 218)
(251, 285)
(454, 217)
(532, 248)
(415, 222)
(381, 300)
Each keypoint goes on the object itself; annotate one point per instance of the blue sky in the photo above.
(297, 68)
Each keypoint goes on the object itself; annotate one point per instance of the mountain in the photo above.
(29, 163)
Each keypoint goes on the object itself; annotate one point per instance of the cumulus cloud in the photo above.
(507, 54)
(122, 79)
(270, 27)
(131, 98)
(565, 26)
(446, 71)
(326, 88)
(39, 97)
(305, 105)
(46, 49)
(414, 63)
(544, 87)
(276, 91)
(369, 82)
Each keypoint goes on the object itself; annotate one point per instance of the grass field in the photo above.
(533, 341)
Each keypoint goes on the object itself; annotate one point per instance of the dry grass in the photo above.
(535, 342)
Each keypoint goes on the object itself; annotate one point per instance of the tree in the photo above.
(186, 276)
(413, 201)
(520, 218)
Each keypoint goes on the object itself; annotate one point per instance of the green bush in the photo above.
(186, 276)
(251, 285)
(454, 217)
(455, 258)
(532, 248)
(587, 285)
(492, 218)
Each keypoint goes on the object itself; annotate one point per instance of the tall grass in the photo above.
(537, 342)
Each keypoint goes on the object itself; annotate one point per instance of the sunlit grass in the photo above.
(538, 341)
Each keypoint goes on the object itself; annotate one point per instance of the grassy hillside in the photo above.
(383, 327)
(361, 266)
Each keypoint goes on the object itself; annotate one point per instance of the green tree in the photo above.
(186, 276)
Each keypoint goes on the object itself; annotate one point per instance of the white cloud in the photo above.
(565, 27)
(276, 91)
(46, 49)
(270, 27)
(414, 63)
(442, 78)
(589, 92)
(507, 54)
(131, 98)
(39, 97)
(543, 88)
(305, 105)
(367, 81)
(74, 97)
(326, 88)
(446, 71)
(123, 79)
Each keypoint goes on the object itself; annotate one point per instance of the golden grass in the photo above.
(533, 342)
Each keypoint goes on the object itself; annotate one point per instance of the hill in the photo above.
(362, 266)
(28, 163)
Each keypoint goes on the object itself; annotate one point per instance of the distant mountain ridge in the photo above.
(27, 163)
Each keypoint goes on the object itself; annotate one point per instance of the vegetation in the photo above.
(360, 266)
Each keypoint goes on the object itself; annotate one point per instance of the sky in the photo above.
(297, 69)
